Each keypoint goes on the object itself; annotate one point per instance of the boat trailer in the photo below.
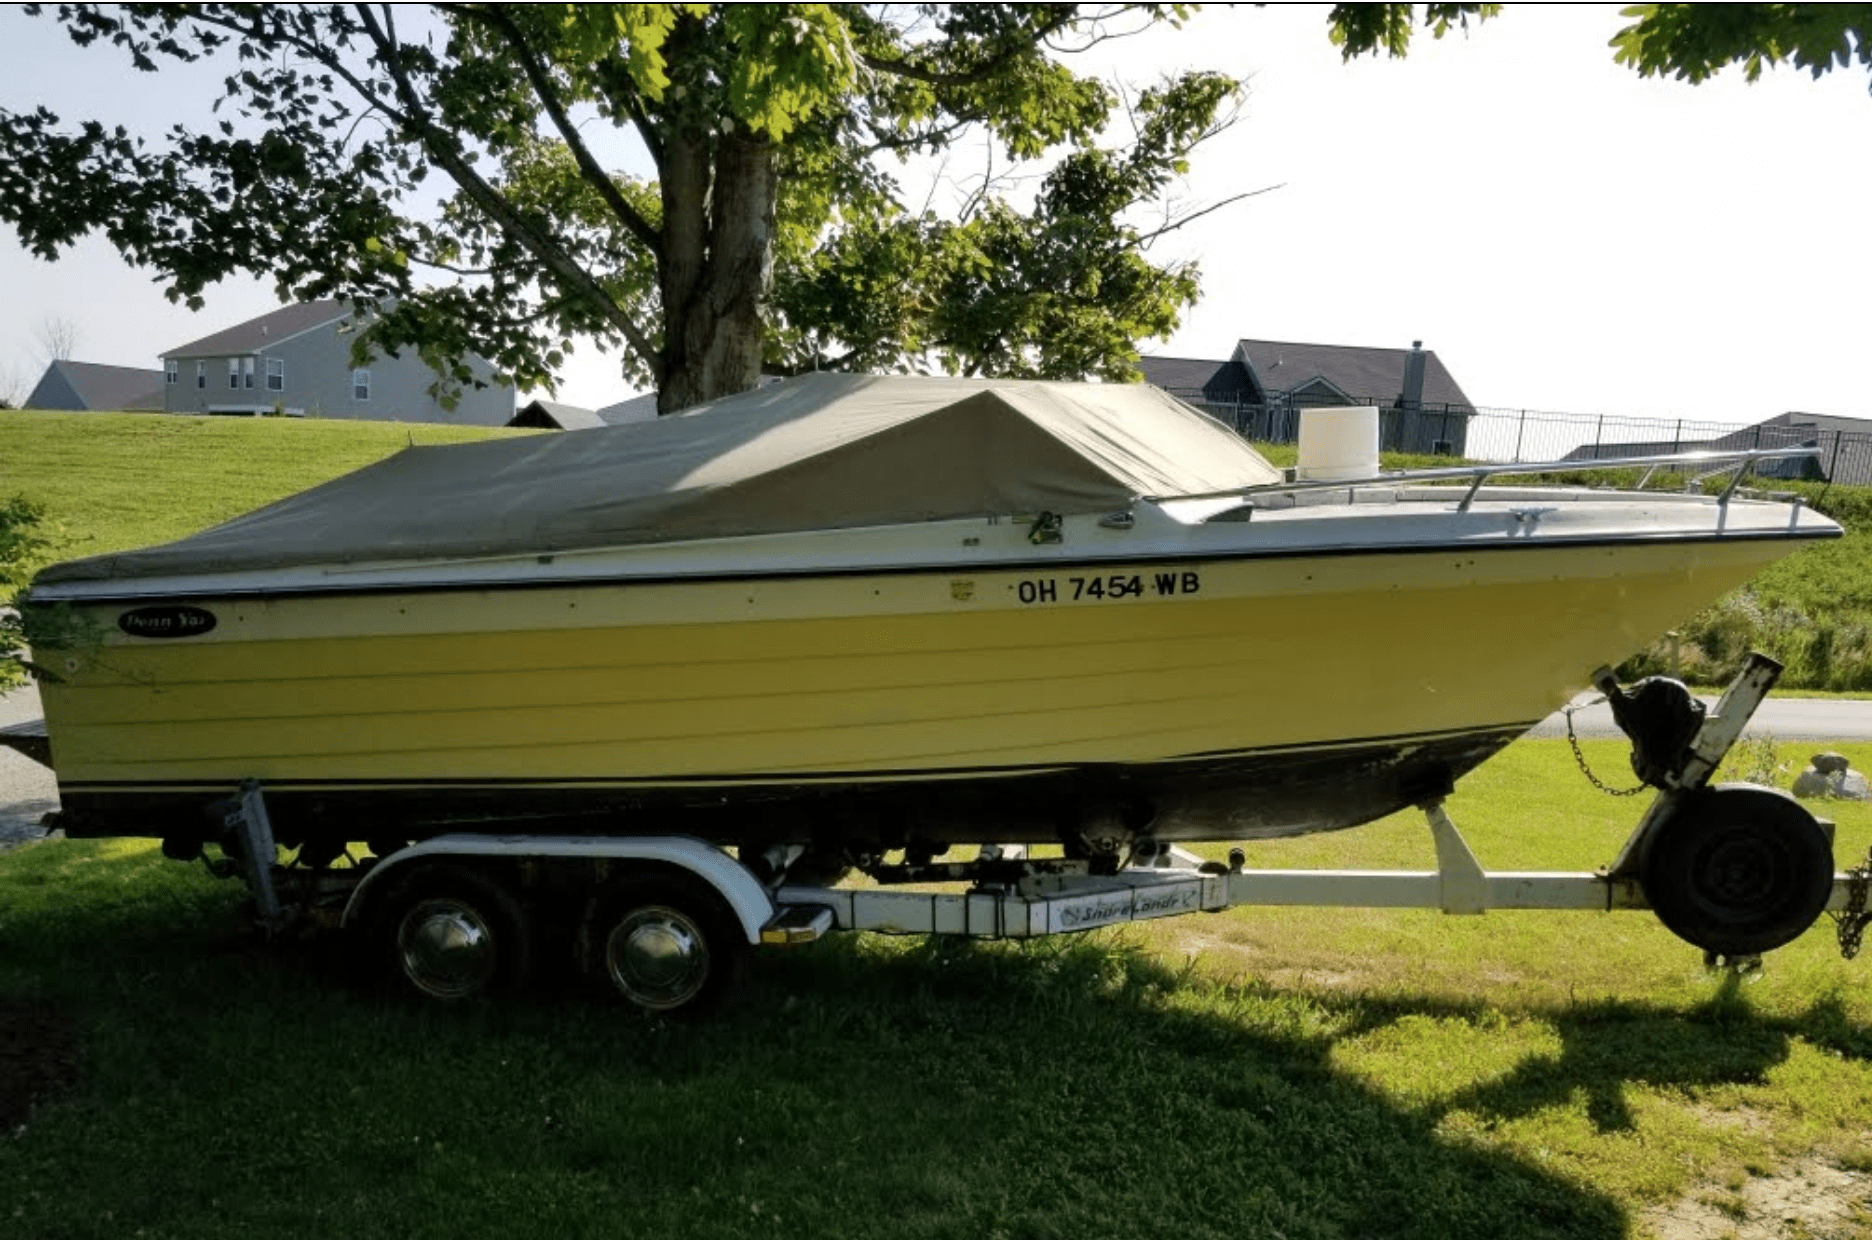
(1735, 870)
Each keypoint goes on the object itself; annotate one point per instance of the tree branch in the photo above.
(548, 95)
(1145, 240)
(914, 141)
(443, 149)
(982, 72)
(439, 265)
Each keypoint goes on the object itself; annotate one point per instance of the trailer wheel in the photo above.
(664, 942)
(454, 934)
(1738, 870)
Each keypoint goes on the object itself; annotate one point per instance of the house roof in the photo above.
(1188, 374)
(554, 415)
(92, 385)
(256, 334)
(644, 408)
(1360, 372)
(1844, 444)
(631, 409)
(1821, 422)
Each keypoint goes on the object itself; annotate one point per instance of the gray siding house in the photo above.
(1264, 384)
(297, 360)
(89, 386)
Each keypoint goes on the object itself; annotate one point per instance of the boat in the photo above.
(863, 614)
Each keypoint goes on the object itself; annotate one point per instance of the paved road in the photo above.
(27, 790)
(1785, 719)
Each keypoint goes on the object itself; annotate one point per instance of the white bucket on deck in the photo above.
(1338, 443)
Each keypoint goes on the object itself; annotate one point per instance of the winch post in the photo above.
(1722, 728)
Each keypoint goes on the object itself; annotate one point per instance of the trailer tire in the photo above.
(453, 934)
(1738, 870)
(665, 942)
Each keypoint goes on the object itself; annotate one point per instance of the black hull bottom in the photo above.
(1234, 797)
(1220, 797)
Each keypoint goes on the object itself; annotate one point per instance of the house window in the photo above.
(172, 371)
(233, 372)
(276, 374)
(247, 372)
(201, 374)
(360, 385)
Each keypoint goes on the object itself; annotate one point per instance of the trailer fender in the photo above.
(751, 904)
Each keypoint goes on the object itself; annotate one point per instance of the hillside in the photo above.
(108, 481)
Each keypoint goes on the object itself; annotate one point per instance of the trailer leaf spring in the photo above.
(1850, 922)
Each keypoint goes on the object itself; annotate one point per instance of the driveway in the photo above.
(27, 790)
(1785, 719)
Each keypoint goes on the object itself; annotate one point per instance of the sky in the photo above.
(1565, 235)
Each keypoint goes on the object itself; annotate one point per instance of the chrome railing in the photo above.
(1740, 460)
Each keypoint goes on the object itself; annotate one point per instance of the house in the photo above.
(1844, 447)
(638, 408)
(90, 386)
(297, 360)
(552, 415)
(1262, 386)
(644, 408)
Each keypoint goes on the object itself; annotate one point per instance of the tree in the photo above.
(763, 128)
(1362, 28)
(1692, 42)
(14, 387)
(21, 551)
(58, 339)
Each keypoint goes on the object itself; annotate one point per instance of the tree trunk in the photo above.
(717, 266)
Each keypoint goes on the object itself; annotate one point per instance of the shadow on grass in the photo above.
(866, 1087)
(1608, 1046)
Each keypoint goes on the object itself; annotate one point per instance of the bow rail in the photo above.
(1739, 460)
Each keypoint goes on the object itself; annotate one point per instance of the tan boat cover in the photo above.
(816, 452)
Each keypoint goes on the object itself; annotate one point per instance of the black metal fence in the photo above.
(1428, 430)
(1527, 435)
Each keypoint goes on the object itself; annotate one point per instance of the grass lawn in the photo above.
(109, 481)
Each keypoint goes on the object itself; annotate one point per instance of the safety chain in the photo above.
(1580, 758)
(1850, 922)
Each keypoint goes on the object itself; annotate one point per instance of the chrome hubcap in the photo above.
(447, 949)
(657, 957)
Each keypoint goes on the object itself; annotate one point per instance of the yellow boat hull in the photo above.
(1220, 698)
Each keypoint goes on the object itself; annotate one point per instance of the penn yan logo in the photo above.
(166, 621)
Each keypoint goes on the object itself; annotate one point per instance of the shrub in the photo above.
(21, 548)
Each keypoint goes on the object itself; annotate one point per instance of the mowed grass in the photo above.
(1291, 1073)
(1261, 1072)
(110, 481)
